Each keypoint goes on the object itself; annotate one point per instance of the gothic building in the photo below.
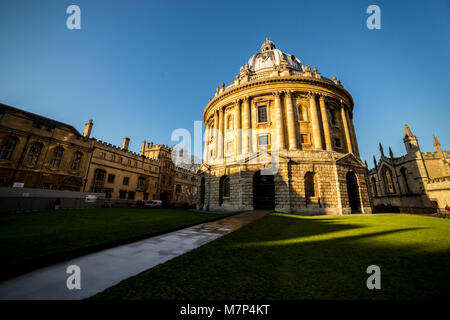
(38, 152)
(281, 136)
(416, 182)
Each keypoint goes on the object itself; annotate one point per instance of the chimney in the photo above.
(88, 128)
(143, 148)
(126, 143)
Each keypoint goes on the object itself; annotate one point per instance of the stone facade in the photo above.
(281, 136)
(415, 182)
(47, 154)
(41, 152)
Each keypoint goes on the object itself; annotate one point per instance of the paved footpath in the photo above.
(108, 267)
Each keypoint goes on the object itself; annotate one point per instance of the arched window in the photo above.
(224, 189)
(405, 179)
(7, 147)
(310, 185)
(332, 117)
(34, 153)
(374, 187)
(76, 160)
(388, 181)
(56, 158)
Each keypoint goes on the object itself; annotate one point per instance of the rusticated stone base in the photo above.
(332, 172)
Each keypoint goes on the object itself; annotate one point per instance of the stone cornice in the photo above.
(324, 83)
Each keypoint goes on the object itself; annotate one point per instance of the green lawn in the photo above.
(290, 257)
(29, 240)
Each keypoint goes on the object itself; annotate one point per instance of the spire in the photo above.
(374, 162)
(408, 132)
(410, 141)
(391, 154)
(436, 144)
(365, 162)
(381, 150)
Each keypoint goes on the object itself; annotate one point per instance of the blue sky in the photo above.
(144, 68)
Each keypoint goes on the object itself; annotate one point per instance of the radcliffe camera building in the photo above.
(281, 136)
(39, 152)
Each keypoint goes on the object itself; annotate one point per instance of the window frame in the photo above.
(33, 154)
(56, 158)
(6, 149)
(266, 113)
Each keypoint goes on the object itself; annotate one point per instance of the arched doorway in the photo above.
(353, 192)
(263, 191)
(224, 189)
(202, 192)
(310, 188)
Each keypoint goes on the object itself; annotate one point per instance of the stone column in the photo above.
(216, 133)
(279, 116)
(315, 121)
(290, 120)
(326, 125)
(205, 152)
(237, 127)
(254, 130)
(246, 123)
(355, 142)
(221, 133)
(346, 130)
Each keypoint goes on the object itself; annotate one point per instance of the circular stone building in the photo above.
(281, 137)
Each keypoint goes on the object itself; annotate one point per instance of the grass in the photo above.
(290, 257)
(30, 240)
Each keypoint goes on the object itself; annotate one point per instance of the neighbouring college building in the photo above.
(281, 136)
(416, 182)
(38, 152)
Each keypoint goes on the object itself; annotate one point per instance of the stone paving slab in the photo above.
(105, 268)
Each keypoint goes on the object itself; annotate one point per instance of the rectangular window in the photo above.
(141, 184)
(305, 138)
(145, 196)
(126, 181)
(111, 178)
(302, 113)
(262, 114)
(263, 140)
(337, 142)
(230, 146)
(122, 194)
(108, 193)
(131, 195)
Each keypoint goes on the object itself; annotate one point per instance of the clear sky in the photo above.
(144, 68)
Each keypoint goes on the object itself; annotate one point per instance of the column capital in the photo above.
(311, 94)
(237, 101)
(276, 93)
(323, 96)
(288, 93)
(246, 98)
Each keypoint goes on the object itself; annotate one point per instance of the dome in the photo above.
(270, 56)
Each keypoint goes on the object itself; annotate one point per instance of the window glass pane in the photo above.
(262, 114)
(263, 140)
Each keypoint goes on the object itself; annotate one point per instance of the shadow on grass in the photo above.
(326, 268)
